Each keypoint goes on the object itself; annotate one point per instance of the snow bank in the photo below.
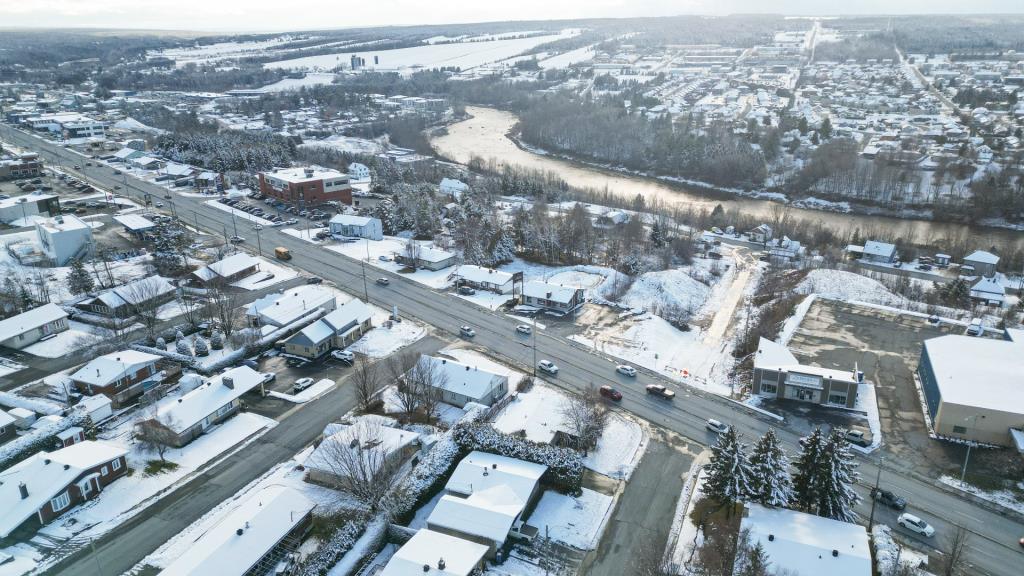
(311, 393)
(841, 285)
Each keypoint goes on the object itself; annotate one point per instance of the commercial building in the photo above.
(64, 238)
(552, 298)
(21, 207)
(356, 227)
(778, 374)
(306, 186)
(22, 166)
(29, 327)
(282, 308)
(484, 278)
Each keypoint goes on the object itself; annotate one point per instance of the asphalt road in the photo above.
(993, 547)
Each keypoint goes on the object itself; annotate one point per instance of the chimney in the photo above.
(440, 564)
(771, 537)
(47, 461)
(23, 489)
(835, 553)
(467, 368)
(229, 382)
(426, 568)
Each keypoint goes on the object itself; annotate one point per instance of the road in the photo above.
(993, 546)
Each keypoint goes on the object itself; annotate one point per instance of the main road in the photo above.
(993, 547)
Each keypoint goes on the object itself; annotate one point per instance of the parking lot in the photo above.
(277, 212)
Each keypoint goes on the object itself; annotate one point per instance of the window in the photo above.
(767, 388)
(115, 465)
(837, 399)
(959, 430)
(60, 502)
(103, 471)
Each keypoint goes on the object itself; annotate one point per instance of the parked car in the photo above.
(924, 267)
(344, 356)
(269, 377)
(933, 319)
(889, 499)
(117, 172)
(975, 328)
(524, 329)
(237, 239)
(716, 426)
(466, 291)
(610, 393)
(857, 437)
(314, 280)
(659, 390)
(301, 384)
(915, 524)
(291, 221)
(625, 370)
(384, 258)
(548, 366)
(159, 204)
(467, 332)
(383, 281)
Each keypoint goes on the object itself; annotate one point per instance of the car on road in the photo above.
(168, 196)
(383, 281)
(626, 370)
(314, 280)
(524, 329)
(258, 227)
(933, 319)
(291, 221)
(888, 498)
(301, 384)
(237, 239)
(659, 390)
(548, 366)
(716, 426)
(467, 331)
(117, 172)
(77, 167)
(924, 267)
(466, 291)
(610, 393)
(117, 187)
(915, 524)
(344, 356)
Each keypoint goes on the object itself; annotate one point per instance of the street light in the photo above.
(967, 456)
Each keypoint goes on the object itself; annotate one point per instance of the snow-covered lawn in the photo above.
(685, 536)
(318, 389)
(77, 336)
(348, 144)
(485, 299)
(841, 285)
(383, 340)
(619, 449)
(888, 553)
(270, 273)
(577, 522)
(1004, 498)
(307, 234)
(388, 248)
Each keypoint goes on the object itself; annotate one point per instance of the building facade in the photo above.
(308, 186)
(778, 374)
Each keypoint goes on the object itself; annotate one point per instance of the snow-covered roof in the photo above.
(464, 379)
(428, 548)
(488, 513)
(873, 248)
(368, 434)
(480, 275)
(134, 222)
(983, 257)
(453, 184)
(17, 200)
(175, 169)
(190, 409)
(553, 292)
(428, 254)
(45, 475)
(804, 544)
(989, 287)
(351, 220)
(304, 174)
(109, 367)
(978, 372)
(30, 320)
(232, 265)
(519, 475)
(291, 305)
(137, 291)
(350, 313)
(6, 419)
(65, 223)
(774, 356)
(265, 518)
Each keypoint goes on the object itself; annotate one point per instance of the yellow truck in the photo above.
(282, 253)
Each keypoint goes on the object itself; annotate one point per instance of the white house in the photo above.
(435, 554)
(64, 238)
(484, 278)
(984, 263)
(356, 226)
(552, 297)
(227, 270)
(215, 401)
(323, 466)
(801, 543)
(282, 308)
(989, 290)
(881, 252)
(452, 187)
(337, 329)
(29, 327)
(427, 258)
(461, 384)
(358, 172)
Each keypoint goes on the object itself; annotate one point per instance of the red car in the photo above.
(610, 393)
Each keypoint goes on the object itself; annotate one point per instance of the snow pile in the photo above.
(1004, 498)
(840, 285)
(577, 522)
(888, 552)
(668, 288)
(311, 393)
(385, 340)
(37, 405)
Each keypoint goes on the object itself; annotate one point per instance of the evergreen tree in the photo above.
(770, 484)
(728, 472)
(217, 340)
(755, 563)
(836, 477)
(79, 279)
(826, 129)
(657, 236)
(802, 125)
(201, 347)
(805, 480)
(182, 347)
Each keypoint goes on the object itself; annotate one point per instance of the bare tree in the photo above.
(586, 416)
(144, 301)
(360, 463)
(191, 309)
(366, 378)
(412, 251)
(154, 434)
(419, 389)
(222, 306)
(953, 562)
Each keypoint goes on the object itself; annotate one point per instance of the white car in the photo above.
(716, 426)
(301, 384)
(343, 355)
(237, 239)
(258, 227)
(548, 366)
(626, 370)
(467, 331)
(291, 221)
(524, 329)
(276, 224)
(915, 524)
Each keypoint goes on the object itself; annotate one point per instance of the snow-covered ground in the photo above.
(388, 248)
(315, 391)
(348, 144)
(242, 227)
(577, 522)
(1004, 498)
(384, 340)
(685, 536)
(270, 273)
(841, 285)
(867, 402)
(888, 553)
(76, 337)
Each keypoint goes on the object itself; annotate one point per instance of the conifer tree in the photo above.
(805, 480)
(770, 483)
(837, 472)
(79, 280)
(728, 472)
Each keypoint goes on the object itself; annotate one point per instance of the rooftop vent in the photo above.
(229, 382)
(46, 461)
(240, 531)
(771, 537)
(835, 553)
(426, 567)
(440, 564)
(23, 490)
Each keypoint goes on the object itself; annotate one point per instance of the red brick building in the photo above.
(306, 186)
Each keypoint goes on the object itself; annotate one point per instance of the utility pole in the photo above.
(259, 245)
(874, 494)
(534, 331)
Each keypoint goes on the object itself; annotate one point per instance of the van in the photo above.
(975, 328)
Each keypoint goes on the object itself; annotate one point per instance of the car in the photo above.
(384, 258)
(548, 366)
(383, 281)
(237, 239)
(659, 390)
(77, 167)
(975, 328)
(117, 187)
(626, 370)
(88, 163)
(716, 426)
(889, 499)
(924, 267)
(467, 331)
(159, 204)
(343, 355)
(857, 437)
(291, 221)
(314, 280)
(466, 291)
(915, 524)
(168, 196)
(117, 172)
(258, 227)
(1021, 542)
(933, 319)
(610, 393)
(524, 329)
(269, 377)
(897, 264)
(301, 384)
(277, 223)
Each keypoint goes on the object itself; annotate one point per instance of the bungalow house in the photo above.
(121, 376)
(989, 291)
(785, 248)
(358, 172)
(436, 554)
(126, 154)
(282, 308)
(799, 543)
(337, 329)
(485, 499)
(227, 270)
(427, 258)
(47, 484)
(984, 263)
(126, 301)
(761, 234)
(778, 374)
(146, 163)
(452, 187)
(483, 278)
(377, 444)
(212, 402)
(356, 226)
(879, 252)
(460, 384)
(258, 533)
(8, 431)
(29, 327)
(552, 297)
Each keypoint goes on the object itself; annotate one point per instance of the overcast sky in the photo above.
(263, 15)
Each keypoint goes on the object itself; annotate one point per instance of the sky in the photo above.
(264, 15)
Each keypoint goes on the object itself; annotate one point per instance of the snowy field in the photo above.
(840, 285)
(577, 522)
(569, 58)
(349, 144)
(311, 79)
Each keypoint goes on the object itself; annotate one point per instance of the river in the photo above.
(484, 135)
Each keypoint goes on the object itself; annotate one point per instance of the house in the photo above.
(436, 554)
(485, 498)
(64, 238)
(146, 163)
(252, 539)
(799, 543)
(785, 248)
(989, 291)
(972, 386)
(356, 226)
(212, 402)
(282, 308)
(306, 186)
(552, 298)
(8, 430)
(377, 445)
(47, 484)
(98, 407)
(337, 329)
(121, 376)
(128, 300)
(70, 436)
(227, 270)
(484, 278)
(879, 252)
(460, 384)
(126, 154)
(358, 172)
(984, 263)
(426, 258)
(452, 187)
(29, 327)
(761, 234)
(778, 374)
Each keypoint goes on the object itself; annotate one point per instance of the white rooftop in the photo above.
(774, 356)
(197, 404)
(351, 220)
(479, 274)
(232, 265)
(874, 248)
(16, 200)
(519, 475)
(978, 372)
(265, 519)
(982, 256)
(427, 548)
(304, 174)
(5, 419)
(554, 292)
(428, 254)
(109, 367)
(285, 308)
(463, 378)
(366, 433)
(30, 320)
(804, 543)
(134, 221)
(65, 223)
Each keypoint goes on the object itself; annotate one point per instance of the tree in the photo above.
(423, 384)
(953, 562)
(217, 340)
(155, 434)
(367, 381)
(79, 280)
(836, 476)
(728, 472)
(826, 129)
(585, 416)
(191, 309)
(770, 483)
(411, 251)
(754, 561)
(359, 463)
(223, 306)
(201, 347)
(144, 298)
(805, 480)
(182, 347)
